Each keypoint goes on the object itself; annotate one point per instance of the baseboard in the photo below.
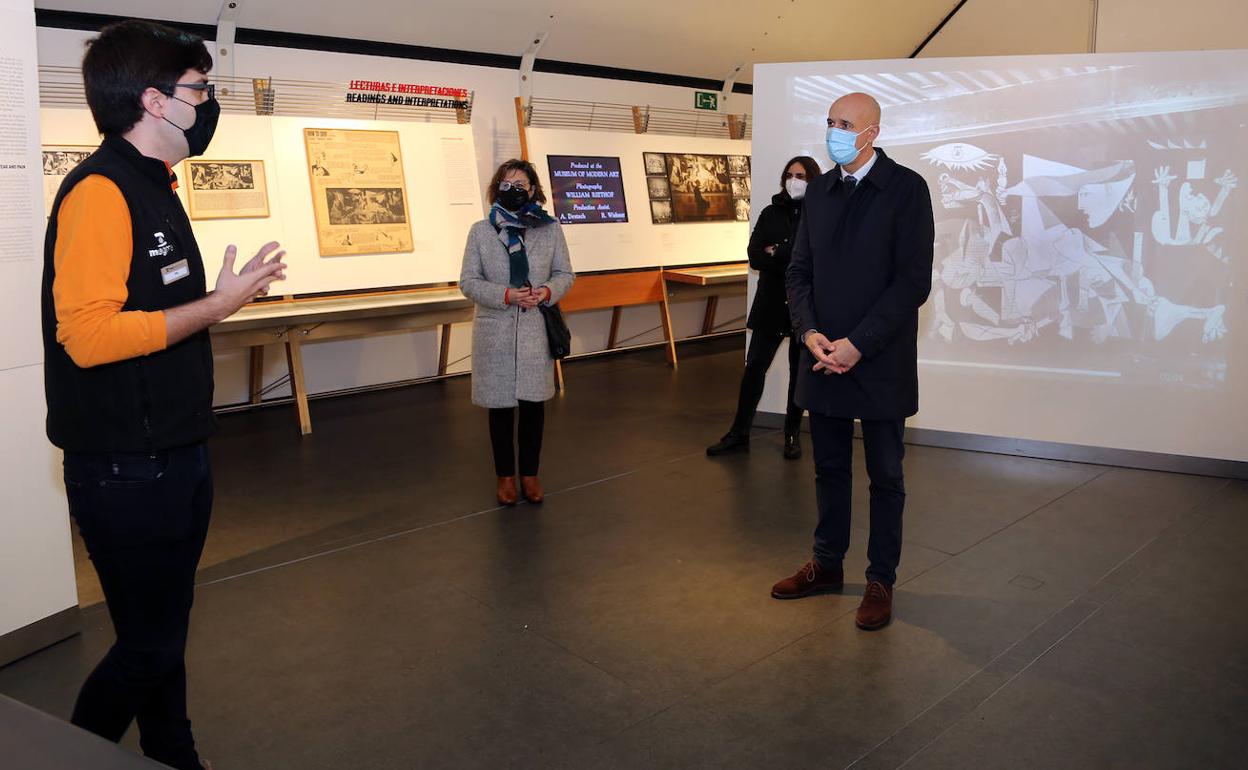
(1048, 450)
(40, 634)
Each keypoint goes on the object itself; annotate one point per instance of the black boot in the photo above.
(729, 444)
(792, 447)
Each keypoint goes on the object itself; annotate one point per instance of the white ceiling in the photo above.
(701, 38)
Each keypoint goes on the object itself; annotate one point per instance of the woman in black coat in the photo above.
(771, 244)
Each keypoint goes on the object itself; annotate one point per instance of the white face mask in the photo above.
(796, 188)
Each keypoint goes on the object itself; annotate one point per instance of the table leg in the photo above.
(298, 384)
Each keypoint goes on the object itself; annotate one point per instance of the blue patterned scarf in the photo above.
(510, 226)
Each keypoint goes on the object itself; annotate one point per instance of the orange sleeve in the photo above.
(92, 257)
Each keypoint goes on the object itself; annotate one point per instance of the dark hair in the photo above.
(808, 163)
(539, 195)
(127, 59)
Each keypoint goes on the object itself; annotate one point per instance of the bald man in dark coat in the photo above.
(861, 268)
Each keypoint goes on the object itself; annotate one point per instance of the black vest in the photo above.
(152, 402)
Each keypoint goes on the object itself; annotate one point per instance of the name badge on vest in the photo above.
(175, 272)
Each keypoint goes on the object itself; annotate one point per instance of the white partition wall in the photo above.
(431, 153)
(38, 601)
(1091, 251)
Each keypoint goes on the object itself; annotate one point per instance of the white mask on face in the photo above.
(796, 188)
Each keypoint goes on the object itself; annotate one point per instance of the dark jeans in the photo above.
(758, 358)
(503, 438)
(143, 518)
(832, 439)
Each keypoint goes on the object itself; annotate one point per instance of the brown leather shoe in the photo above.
(507, 494)
(876, 610)
(532, 489)
(809, 580)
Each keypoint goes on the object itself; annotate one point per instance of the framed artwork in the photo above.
(226, 189)
(58, 161)
(701, 188)
(359, 193)
(656, 163)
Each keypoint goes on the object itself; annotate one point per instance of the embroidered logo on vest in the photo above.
(163, 247)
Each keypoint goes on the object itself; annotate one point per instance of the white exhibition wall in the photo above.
(638, 242)
(1090, 238)
(340, 365)
(36, 562)
(439, 227)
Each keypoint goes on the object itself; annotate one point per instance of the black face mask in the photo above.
(199, 135)
(513, 199)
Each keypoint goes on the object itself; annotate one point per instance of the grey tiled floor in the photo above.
(364, 604)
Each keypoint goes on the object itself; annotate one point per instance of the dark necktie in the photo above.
(849, 183)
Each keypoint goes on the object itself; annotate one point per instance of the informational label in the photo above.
(706, 100)
(587, 190)
(460, 167)
(21, 180)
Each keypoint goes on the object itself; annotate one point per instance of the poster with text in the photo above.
(359, 193)
(587, 190)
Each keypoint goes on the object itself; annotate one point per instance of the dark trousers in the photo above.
(758, 358)
(503, 438)
(143, 518)
(832, 439)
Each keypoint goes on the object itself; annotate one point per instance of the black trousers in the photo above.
(758, 358)
(144, 518)
(832, 439)
(503, 438)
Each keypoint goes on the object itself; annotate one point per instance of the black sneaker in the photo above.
(729, 444)
(792, 448)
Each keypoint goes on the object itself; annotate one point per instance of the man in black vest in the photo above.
(860, 270)
(128, 369)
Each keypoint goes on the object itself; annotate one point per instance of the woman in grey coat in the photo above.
(515, 259)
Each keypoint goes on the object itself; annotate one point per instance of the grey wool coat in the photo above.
(510, 355)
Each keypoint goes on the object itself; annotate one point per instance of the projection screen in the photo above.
(1089, 279)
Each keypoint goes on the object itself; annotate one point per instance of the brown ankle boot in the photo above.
(876, 610)
(808, 581)
(507, 490)
(532, 489)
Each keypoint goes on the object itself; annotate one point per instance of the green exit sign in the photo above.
(706, 100)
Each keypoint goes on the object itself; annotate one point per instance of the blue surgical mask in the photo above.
(843, 145)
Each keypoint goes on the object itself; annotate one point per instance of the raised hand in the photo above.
(253, 280)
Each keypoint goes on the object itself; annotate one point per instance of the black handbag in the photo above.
(557, 332)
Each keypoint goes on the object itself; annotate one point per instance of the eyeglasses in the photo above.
(504, 186)
(205, 88)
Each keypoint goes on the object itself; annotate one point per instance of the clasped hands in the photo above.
(832, 357)
(528, 296)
